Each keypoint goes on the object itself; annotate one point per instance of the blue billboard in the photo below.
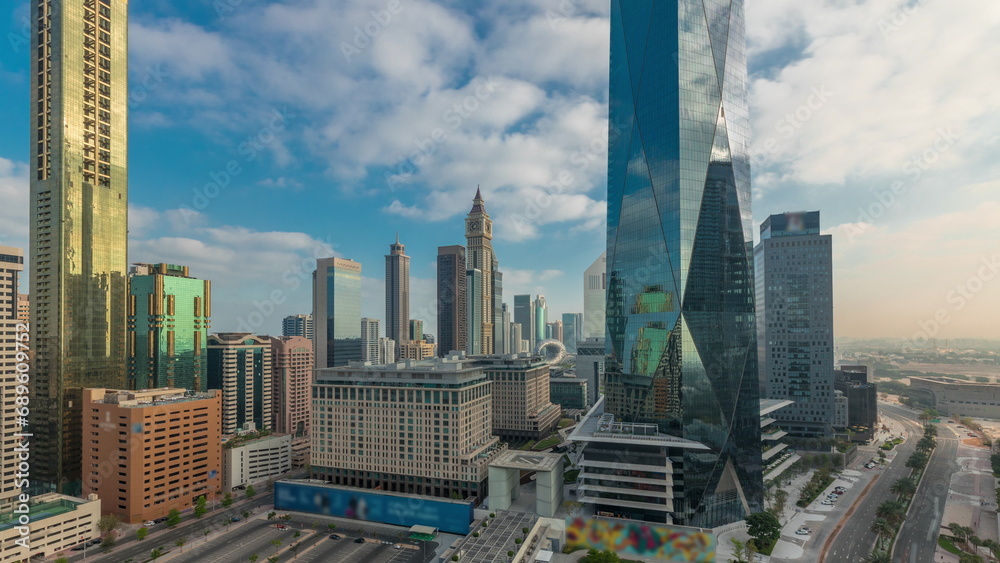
(389, 508)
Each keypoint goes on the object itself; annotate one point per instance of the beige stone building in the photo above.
(415, 427)
(415, 350)
(147, 452)
(12, 379)
(521, 405)
(57, 523)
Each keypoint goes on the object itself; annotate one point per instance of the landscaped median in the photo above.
(890, 515)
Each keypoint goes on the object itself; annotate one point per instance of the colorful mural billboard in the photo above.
(642, 539)
(389, 508)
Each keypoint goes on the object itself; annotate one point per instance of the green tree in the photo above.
(882, 528)
(276, 544)
(930, 430)
(141, 533)
(246, 513)
(251, 492)
(108, 523)
(917, 460)
(969, 558)
(331, 526)
(764, 528)
(109, 542)
(905, 486)
(881, 457)
(780, 498)
(227, 500)
(253, 558)
(926, 444)
(173, 517)
(958, 532)
(743, 550)
(594, 556)
(271, 515)
(156, 553)
(878, 557)
(200, 506)
(892, 511)
(180, 543)
(62, 560)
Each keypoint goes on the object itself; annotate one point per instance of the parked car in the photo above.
(334, 537)
(802, 531)
(160, 520)
(279, 526)
(827, 503)
(149, 523)
(359, 540)
(838, 493)
(235, 519)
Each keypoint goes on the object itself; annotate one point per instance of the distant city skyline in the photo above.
(294, 173)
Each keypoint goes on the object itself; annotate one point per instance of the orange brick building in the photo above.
(147, 452)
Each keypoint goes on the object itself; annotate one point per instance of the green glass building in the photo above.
(79, 223)
(168, 322)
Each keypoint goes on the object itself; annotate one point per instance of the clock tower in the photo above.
(479, 256)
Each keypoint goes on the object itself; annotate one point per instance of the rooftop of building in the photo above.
(238, 338)
(950, 381)
(454, 362)
(600, 426)
(44, 506)
(172, 270)
(767, 406)
(527, 461)
(248, 438)
(149, 397)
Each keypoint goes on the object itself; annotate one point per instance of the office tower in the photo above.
(452, 331)
(369, 340)
(168, 316)
(504, 322)
(415, 350)
(386, 351)
(291, 379)
(446, 436)
(541, 320)
(590, 355)
(516, 339)
(594, 293)
(793, 265)
(138, 465)
(572, 330)
(397, 293)
(554, 331)
(475, 311)
(569, 392)
(416, 329)
(23, 307)
(11, 266)
(680, 305)
(499, 334)
(298, 325)
(524, 314)
(521, 405)
(79, 209)
(479, 240)
(240, 364)
(337, 311)
(862, 399)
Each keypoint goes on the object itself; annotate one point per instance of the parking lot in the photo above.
(346, 551)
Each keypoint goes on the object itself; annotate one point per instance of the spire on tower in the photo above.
(477, 202)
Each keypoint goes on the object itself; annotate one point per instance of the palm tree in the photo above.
(958, 531)
(930, 430)
(882, 528)
(976, 541)
(891, 510)
(926, 444)
(276, 544)
(904, 487)
(878, 557)
(993, 546)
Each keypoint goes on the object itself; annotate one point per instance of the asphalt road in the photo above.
(855, 540)
(190, 528)
(239, 544)
(917, 539)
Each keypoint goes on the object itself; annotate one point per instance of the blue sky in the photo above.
(333, 125)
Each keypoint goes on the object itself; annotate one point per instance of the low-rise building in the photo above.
(952, 397)
(568, 392)
(57, 523)
(415, 350)
(147, 452)
(251, 458)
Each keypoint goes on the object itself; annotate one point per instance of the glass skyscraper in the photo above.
(168, 315)
(681, 339)
(79, 207)
(337, 312)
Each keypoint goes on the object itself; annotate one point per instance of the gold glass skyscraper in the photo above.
(79, 204)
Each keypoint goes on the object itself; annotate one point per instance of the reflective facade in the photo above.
(337, 312)
(79, 206)
(397, 293)
(168, 323)
(681, 339)
(524, 315)
(452, 332)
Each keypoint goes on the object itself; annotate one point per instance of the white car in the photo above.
(802, 531)
(827, 503)
(149, 524)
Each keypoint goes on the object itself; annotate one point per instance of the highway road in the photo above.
(855, 540)
(917, 539)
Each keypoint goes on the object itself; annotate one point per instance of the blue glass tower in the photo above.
(681, 339)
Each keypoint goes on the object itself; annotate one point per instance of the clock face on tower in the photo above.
(473, 225)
